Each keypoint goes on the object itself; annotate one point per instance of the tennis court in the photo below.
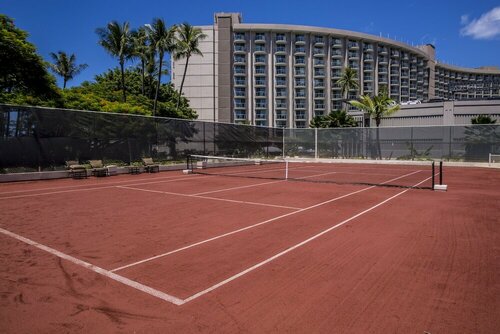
(254, 247)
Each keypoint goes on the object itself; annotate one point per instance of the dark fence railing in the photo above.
(44, 138)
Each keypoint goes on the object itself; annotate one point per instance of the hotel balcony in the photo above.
(280, 39)
(260, 39)
(260, 49)
(300, 40)
(319, 40)
(280, 49)
(239, 48)
(239, 37)
(336, 42)
(318, 52)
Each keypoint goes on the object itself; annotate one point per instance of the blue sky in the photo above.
(465, 33)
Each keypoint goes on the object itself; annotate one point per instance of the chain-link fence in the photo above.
(43, 138)
(451, 143)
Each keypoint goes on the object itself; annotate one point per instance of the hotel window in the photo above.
(260, 58)
(281, 92)
(239, 91)
(300, 60)
(260, 69)
(280, 70)
(240, 114)
(260, 91)
(280, 58)
(260, 36)
(300, 82)
(239, 58)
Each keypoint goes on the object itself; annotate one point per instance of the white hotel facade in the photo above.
(284, 75)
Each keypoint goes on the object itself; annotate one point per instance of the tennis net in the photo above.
(414, 174)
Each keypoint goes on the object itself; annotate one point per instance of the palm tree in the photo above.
(188, 43)
(65, 66)
(141, 50)
(377, 107)
(348, 81)
(163, 40)
(116, 39)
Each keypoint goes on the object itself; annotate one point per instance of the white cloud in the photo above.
(485, 27)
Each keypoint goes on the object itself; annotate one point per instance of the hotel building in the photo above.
(284, 75)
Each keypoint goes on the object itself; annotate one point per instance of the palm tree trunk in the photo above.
(122, 63)
(182, 83)
(157, 85)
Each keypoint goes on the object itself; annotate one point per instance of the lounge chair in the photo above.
(98, 168)
(150, 166)
(76, 170)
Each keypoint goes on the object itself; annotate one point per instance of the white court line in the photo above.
(210, 198)
(95, 185)
(258, 184)
(97, 188)
(96, 269)
(288, 250)
(85, 185)
(253, 226)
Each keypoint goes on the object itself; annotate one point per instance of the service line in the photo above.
(254, 225)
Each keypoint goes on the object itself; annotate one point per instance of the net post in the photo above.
(286, 169)
(441, 172)
(433, 170)
(187, 161)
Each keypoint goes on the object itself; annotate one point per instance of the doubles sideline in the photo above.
(178, 301)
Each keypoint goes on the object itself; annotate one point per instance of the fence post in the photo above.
(283, 137)
(315, 143)
(204, 140)
(449, 143)
(412, 150)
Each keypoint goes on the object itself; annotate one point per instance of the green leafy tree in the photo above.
(348, 81)
(104, 94)
(335, 119)
(188, 44)
(116, 39)
(65, 66)
(483, 119)
(377, 107)
(163, 41)
(22, 70)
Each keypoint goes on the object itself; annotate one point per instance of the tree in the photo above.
(163, 41)
(65, 66)
(377, 107)
(347, 82)
(22, 70)
(116, 39)
(188, 43)
(483, 119)
(335, 119)
(141, 51)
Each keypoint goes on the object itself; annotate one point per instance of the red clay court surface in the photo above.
(174, 253)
